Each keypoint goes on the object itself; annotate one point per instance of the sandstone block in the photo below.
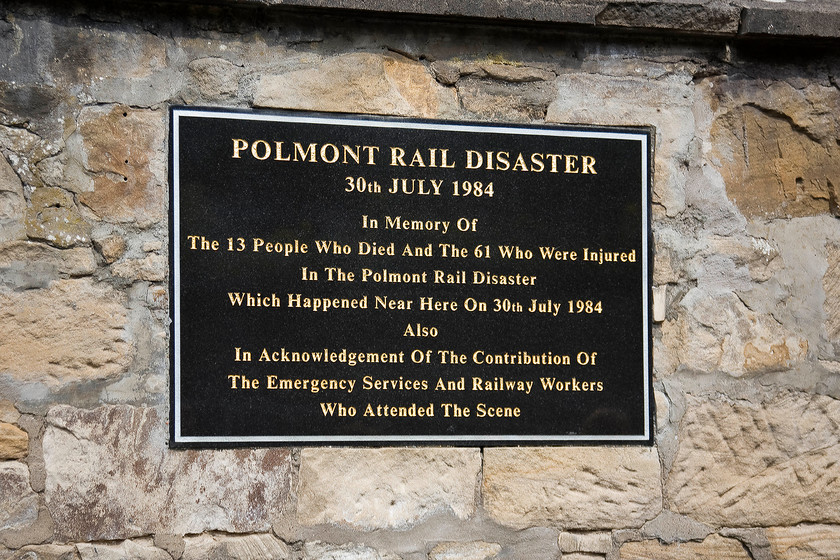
(215, 78)
(75, 330)
(526, 101)
(831, 285)
(386, 488)
(45, 552)
(573, 487)
(718, 332)
(476, 550)
(316, 550)
(111, 248)
(584, 542)
(25, 265)
(360, 83)
(18, 503)
(111, 476)
(12, 203)
(54, 217)
(804, 542)
(136, 550)
(14, 442)
(714, 547)
(151, 268)
(250, 547)
(8, 412)
(776, 146)
(741, 464)
(598, 99)
(124, 149)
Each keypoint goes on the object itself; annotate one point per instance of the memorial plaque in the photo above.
(376, 281)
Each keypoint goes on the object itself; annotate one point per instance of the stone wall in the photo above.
(747, 241)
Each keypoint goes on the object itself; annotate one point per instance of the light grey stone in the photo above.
(386, 488)
(135, 550)
(316, 550)
(234, 547)
(18, 503)
(110, 475)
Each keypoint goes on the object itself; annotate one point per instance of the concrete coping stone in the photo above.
(728, 18)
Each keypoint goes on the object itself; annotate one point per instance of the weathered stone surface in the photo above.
(777, 147)
(12, 203)
(584, 542)
(477, 550)
(831, 285)
(8, 412)
(715, 17)
(316, 550)
(111, 248)
(714, 547)
(223, 547)
(136, 550)
(491, 99)
(151, 268)
(45, 552)
(215, 78)
(741, 464)
(516, 73)
(123, 148)
(386, 488)
(718, 332)
(25, 265)
(74, 330)
(669, 527)
(54, 217)
(361, 83)
(18, 503)
(573, 487)
(607, 100)
(805, 542)
(110, 475)
(14, 442)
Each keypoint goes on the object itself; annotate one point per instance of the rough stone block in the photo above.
(386, 488)
(252, 547)
(584, 542)
(360, 83)
(45, 552)
(12, 203)
(526, 100)
(804, 542)
(111, 476)
(664, 104)
(73, 331)
(316, 550)
(136, 550)
(573, 487)
(831, 285)
(14, 442)
(18, 503)
(123, 148)
(714, 547)
(776, 146)
(741, 464)
(54, 217)
(476, 550)
(26, 264)
(718, 332)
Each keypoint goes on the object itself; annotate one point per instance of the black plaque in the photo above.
(357, 280)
